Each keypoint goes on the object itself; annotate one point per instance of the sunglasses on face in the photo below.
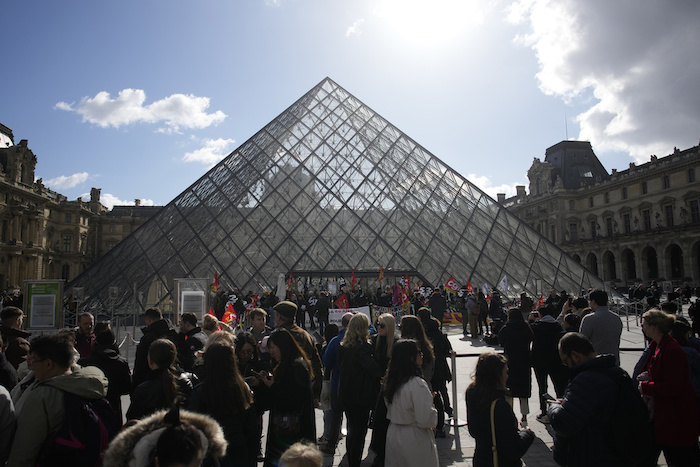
(381, 325)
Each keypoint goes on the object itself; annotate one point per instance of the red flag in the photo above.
(215, 285)
(470, 291)
(381, 275)
(353, 281)
(230, 314)
(342, 301)
(452, 285)
(253, 303)
(290, 281)
(540, 302)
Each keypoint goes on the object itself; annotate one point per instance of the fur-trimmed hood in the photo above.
(133, 445)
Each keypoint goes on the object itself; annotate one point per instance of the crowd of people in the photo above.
(199, 394)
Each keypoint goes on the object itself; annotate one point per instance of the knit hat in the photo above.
(286, 309)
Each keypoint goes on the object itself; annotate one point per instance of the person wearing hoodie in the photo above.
(44, 412)
(114, 366)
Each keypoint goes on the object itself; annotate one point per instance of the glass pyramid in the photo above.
(328, 187)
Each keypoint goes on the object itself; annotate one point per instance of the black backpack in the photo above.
(88, 428)
(629, 431)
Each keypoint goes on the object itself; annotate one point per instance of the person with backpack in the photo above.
(62, 403)
(602, 419)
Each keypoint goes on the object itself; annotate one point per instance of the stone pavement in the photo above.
(457, 448)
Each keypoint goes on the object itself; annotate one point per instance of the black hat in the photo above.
(287, 309)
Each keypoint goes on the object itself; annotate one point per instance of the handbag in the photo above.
(493, 434)
(326, 395)
(286, 424)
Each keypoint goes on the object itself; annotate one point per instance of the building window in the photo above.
(593, 229)
(112, 228)
(553, 234)
(691, 175)
(590, 201)
(67, 217)
(65, 272)
(609, 226)
(66, 243)
(572, 205)
(624, 192)
(626, 222)
(607, 197)
(694, 211)
(668, 210)
(667, 182)
(573, 232)
(646, 217)
(645, 190)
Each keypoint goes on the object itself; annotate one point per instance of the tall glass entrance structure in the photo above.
(329, 185)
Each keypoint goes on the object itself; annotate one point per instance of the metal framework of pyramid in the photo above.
(327, 187)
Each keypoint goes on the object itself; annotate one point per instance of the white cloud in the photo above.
(64, 182)
(176, 111)
(108, 200)
(355, 28)
(213, 151)
(485, 184)
(632, 56)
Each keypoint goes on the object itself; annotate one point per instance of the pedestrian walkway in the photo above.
(457, 448)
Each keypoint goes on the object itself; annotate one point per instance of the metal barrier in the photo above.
(127, 337)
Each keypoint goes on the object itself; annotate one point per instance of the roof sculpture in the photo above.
(330, 185)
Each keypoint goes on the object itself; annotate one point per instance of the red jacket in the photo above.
(676, 417)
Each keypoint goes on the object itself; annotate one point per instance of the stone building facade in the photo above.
(627, 227)
(43, 235)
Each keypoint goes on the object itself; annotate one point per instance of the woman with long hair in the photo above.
(515, 337)
(486, 395)
(359, 384)
(290, 396)
(224, 396)
(412, 328)
(665, 380)
(383, 343)
(165, 388)
(409, 401)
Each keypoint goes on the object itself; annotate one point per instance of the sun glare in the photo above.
(430, 22)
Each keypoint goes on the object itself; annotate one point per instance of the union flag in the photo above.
(342, 301)
(452, 285)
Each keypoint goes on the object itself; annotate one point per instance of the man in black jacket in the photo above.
(156, 328)
(190, 339)
(580, 418)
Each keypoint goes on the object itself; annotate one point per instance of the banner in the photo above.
(452, 285)
(335, 315)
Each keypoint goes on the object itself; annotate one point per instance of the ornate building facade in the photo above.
(627, 227)
(42, 234)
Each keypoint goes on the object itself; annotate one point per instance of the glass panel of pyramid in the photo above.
(326, 188)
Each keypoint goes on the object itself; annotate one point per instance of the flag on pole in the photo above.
(540, 302)
(485, 289)
(215, 285)
(290, 281)
(504, 284)
(353, 280)
(452, 285)
(381, 276)
(470, 290)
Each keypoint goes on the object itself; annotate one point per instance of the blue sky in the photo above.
(140, 98)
